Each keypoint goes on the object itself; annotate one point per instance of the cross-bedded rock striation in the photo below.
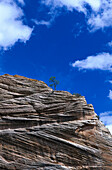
(42, 129)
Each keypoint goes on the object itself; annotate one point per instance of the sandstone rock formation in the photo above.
(41, 129)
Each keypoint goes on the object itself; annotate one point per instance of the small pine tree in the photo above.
(54, 82)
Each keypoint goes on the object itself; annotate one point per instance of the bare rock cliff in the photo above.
(41, 129)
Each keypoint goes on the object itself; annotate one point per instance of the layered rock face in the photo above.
(42, 129)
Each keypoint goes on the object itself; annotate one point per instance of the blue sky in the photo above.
(71, 40)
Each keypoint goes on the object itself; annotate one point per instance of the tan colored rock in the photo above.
(42, 129)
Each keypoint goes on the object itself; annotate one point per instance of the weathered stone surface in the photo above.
(41, 129)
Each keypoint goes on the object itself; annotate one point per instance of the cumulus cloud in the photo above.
(106, 118)
(101, 10)
(12, 28)
(101, 61)
(110, 94)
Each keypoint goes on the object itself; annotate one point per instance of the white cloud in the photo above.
(110, 128)
(106, 118)
(110, 81)
(103, 17)
(109, 44)
(12, 28)
(101, 14)
(101, 61)
(73, 4)
(42, 22)
(110, 94)
(21, 2)
(106, 113)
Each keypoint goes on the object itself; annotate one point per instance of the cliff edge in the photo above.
(42, 129)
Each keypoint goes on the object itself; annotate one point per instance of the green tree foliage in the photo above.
(53, 82)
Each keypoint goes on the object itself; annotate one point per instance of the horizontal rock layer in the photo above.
(49, 130)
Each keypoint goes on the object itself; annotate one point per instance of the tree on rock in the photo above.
(54, 82)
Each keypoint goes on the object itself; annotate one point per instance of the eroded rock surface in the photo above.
(41, 129)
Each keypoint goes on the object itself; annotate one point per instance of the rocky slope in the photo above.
(41, 129)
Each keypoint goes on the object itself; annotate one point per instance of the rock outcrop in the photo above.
(42, 129)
